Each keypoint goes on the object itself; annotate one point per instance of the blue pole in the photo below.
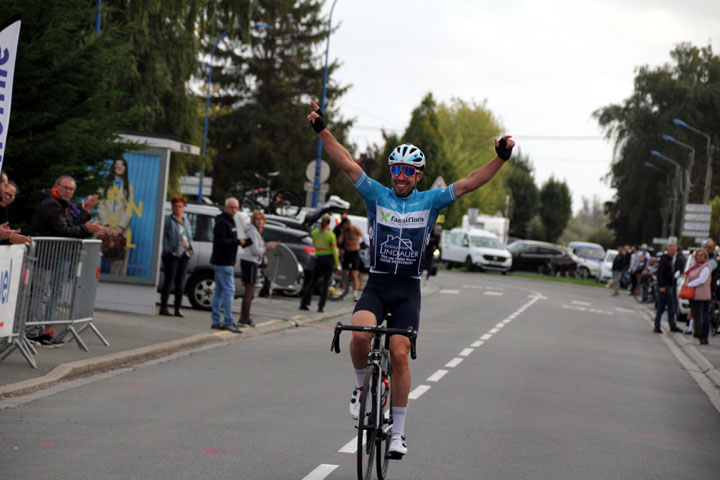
(97, 17)
(318, 161)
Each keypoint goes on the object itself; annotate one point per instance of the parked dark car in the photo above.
(542, 257)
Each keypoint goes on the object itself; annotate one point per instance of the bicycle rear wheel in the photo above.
(286, 203)
(367, 432)
(637, 293)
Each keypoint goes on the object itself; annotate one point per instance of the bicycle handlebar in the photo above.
(407, 332)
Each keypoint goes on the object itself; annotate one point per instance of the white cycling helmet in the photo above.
(407, 154)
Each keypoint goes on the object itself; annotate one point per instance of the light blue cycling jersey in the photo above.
(400, 227)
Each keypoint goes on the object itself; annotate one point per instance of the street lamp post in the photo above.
(318, 161)
(259, 26)
(708, 171)
(678, 183)
(688, 171)
(671, 202)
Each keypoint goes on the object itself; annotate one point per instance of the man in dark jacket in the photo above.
(57, 216)
(618, 268)
(224, 255)
(666, 289)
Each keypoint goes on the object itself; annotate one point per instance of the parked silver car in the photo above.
(200, 283)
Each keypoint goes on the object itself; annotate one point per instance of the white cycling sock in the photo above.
(398, 414)
(359, 378)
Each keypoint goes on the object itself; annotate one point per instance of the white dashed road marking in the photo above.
(450, 292)
(454, 362)
(435, 377)
(321, 472)
(466, 352)
(415, 394)
(490, 292)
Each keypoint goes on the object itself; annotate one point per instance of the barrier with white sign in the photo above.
(11, 263)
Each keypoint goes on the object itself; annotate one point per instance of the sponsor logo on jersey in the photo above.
(398, 250)
(393, 219)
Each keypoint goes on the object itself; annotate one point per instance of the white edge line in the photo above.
(321, 472)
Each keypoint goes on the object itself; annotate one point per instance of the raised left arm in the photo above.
(480, 176)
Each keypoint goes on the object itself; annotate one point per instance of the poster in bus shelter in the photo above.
(131, 206)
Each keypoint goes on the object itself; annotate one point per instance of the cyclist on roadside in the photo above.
(401, 218)
(350, 237)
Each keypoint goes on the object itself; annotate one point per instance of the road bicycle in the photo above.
(285, 202)
(375, 420)
(645, 290)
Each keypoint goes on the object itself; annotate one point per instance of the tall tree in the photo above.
(688, 89)
(555, 208)
(524, 196)
(263, 91)
(66, 112)
(589, 225)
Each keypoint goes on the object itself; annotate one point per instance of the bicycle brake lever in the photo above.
(335, 346)
(413, 349)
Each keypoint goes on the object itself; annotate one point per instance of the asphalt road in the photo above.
(515, 379)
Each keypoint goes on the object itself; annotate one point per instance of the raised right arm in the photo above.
(337, 152)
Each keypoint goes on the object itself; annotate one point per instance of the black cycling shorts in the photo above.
(394, 293)
(351, 260)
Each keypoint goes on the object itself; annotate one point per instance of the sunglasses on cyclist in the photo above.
(407, 170)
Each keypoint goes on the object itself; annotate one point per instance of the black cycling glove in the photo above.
(502, 151)
(319, 124)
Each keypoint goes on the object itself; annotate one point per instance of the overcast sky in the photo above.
(542, 67)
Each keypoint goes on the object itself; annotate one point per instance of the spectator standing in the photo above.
(350, 239)
(250, 261)
(433, 244)
(8, 191)
(666, 289)
(618, 267)
(326, 261)
(699, 276)
(177, 250)
(57, 216)
(223, 258)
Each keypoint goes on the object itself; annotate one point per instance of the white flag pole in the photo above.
(9, 38)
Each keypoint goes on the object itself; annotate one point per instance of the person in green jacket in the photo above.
(326, 261)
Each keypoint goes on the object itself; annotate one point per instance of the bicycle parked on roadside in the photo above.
(645, 291)
(375, 420)
(285, 202)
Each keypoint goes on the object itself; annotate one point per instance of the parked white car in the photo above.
(588, 257)
(605, 272)
(475, 249)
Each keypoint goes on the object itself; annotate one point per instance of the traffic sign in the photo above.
(438, 183)
(698, 208)
(697, 217)
(695, 233)
(699, 226)
(324, 171)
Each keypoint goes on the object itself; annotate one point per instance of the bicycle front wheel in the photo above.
(367, 429)
(637, 294)
(383, 445)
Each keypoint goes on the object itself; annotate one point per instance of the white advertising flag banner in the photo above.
(9, 37)
(11, 260)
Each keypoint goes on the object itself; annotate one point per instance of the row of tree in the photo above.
(687, 89)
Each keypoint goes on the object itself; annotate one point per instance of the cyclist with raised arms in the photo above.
(401, 219)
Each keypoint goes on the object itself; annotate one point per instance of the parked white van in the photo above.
(475, 249)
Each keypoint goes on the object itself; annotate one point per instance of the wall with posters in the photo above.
(132, 204)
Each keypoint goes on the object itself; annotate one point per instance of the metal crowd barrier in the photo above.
(63, 276)
(17, 340)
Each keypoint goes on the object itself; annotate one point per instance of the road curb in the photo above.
(125, 358)
(703, 364)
